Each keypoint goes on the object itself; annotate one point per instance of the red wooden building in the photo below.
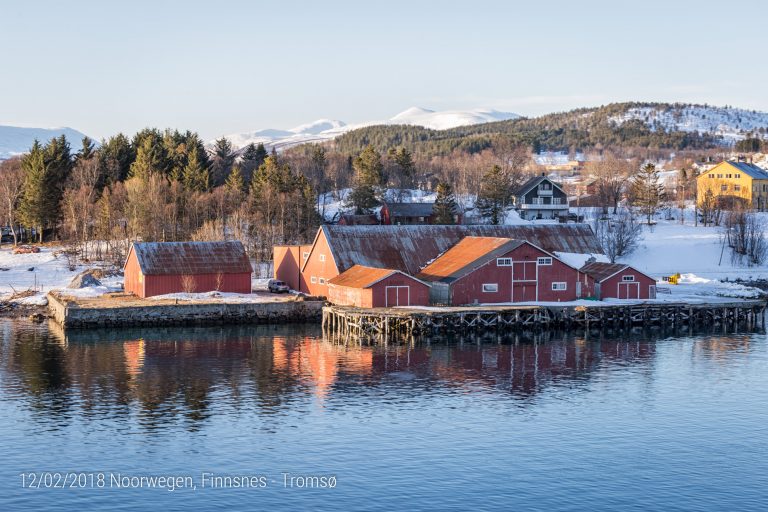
(481, 270)
(158, 268)
(619, 281)
(288, 260)
(408, 249)
(367, 287)
(407, 213)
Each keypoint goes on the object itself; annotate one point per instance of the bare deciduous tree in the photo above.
(11, 187)
(619, 236)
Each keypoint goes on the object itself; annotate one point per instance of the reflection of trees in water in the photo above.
(189, 374)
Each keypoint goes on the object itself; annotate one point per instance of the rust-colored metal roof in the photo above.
(190, 258)
(409, 248)
(470, 253)
(362, 277)
(599, 271)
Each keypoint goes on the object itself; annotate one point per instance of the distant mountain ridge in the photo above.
(327, 129)
(15, 140)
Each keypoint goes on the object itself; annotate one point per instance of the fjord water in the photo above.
(610, 421)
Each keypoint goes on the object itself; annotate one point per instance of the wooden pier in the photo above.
(392, 324)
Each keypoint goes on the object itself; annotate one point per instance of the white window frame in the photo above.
(544, 260)
(313, 280)
(321, 280)
(627, 279)
(503, 262)
(322, 257)
(559, 286)
(490, 287)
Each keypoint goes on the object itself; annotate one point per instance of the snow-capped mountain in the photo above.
(15, 140)
(326, 129)
(726, 122)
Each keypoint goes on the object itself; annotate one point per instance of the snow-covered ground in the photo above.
(728, 123)
(39, 272)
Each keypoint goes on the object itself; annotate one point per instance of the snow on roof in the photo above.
(465, 256)
(533, 182)
(408, 248)
(182, 258)
(750, 170)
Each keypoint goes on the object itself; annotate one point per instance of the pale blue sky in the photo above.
(220, 67)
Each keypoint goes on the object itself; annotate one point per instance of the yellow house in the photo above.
(730, 180)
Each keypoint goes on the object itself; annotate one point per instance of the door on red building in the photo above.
(524, 292)
(398, 296)
(629, 291)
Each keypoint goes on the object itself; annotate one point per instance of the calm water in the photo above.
(632, 421)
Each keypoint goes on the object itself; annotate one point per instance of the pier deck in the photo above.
(404, 323)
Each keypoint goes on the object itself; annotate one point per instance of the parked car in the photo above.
(276, 286)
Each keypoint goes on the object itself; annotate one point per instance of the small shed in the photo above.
(619, 281)
(368, 287)
(158, 268)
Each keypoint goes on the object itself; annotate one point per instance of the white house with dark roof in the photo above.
(541, 198)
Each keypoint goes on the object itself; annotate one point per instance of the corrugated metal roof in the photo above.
(361, 277)
(410, 209)
(599, 271)
(750, 169)
(189, 258)
(409, 248)
(465, 256)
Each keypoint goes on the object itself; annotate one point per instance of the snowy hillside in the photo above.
(15, 140)
(326, 129)
(729, 123)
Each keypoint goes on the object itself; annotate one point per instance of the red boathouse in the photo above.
(367, 287)
(158, 268)
(487, 270)
(619, 281)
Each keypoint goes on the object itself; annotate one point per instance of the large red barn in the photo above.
(367, 287)
(158, 268)
(619, 281)
(481, 270)
(408, 249)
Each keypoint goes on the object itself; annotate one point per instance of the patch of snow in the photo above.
(578, 260)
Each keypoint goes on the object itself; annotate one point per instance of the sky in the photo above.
(221, 67)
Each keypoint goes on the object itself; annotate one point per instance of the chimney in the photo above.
(543, 174)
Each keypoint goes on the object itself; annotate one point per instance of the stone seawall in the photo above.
(70, 314)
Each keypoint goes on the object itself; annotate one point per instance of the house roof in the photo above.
(409, 248)
(359, 220)
(534, 182)
(747, 168)
(360, 276)
(464, 257)
(179, 258)
(410, 209)
(601, 271)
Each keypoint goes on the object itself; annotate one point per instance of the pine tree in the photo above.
(368, 180)
(406, 167)
(36, 207)
(223, 160)
(115, 158)
(150, 159)
(88, 150)
(252, 158)
(445, 206)
(495, 196)
(195, 176)
(648, 191)
(235, 182)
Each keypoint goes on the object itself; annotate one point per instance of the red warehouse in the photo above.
(157, 268)
(495, 270)
(619, 281)
(408, 249)
(288, 260)
(367, 287)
